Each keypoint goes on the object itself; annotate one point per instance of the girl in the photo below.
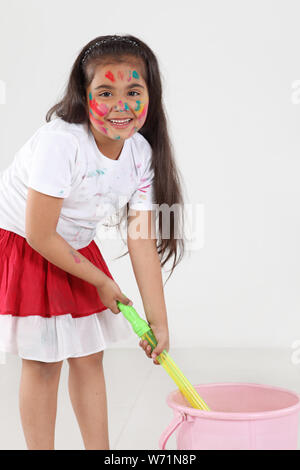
(107, 149)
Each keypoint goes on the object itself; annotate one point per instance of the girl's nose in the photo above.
(121, 106)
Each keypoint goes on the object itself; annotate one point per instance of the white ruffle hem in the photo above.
(60, 337)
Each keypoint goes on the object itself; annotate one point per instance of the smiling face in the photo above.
(117, 92)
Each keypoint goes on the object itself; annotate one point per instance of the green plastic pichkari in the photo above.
(144, 331)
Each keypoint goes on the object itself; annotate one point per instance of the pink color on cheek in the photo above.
(110, 76)
(93, 117)
(100, 109)
(143, 113)
(98, 123)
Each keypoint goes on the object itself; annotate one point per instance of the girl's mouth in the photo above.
(120, 123)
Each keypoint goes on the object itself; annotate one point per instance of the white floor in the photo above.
(137, 391)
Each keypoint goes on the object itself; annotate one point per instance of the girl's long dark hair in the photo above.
(73, 109)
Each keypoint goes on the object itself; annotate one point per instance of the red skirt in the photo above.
(31, 285)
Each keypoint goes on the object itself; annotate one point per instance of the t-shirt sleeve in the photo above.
(52, 164)
(143, 196)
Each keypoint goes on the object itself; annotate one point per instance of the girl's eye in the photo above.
(129, 92)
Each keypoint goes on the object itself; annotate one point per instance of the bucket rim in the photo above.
(236, 415)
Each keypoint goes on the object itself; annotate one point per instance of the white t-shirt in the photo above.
(63, 160)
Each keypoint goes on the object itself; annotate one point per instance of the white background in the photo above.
(227, 69)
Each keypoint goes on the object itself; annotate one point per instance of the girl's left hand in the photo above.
(161, 334)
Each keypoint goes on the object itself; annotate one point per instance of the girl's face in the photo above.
(117, 92)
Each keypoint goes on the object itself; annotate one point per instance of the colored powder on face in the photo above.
(100, 109)
(98, 123)
(135, 74)
(110, 76)
(133, 130)
(129, 76)
(98, 120)
(143, 111)
(121, 74)
(125, 106)
(138, 105)
(117, 138)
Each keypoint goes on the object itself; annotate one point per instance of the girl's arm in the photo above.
(147, 270)
(42, 215)
(41, 219)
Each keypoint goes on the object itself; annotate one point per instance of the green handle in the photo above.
(140, 326)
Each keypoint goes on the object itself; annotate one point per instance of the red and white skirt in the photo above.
(47, 314)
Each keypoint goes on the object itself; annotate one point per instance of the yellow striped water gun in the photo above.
(143, 330)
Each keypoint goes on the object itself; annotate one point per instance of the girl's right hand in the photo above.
(109, 292)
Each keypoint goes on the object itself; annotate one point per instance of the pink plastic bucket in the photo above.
(245, 416)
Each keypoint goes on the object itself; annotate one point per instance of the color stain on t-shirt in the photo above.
(98, 171)
(144, 188)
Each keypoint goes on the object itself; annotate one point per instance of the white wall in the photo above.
(227, 70)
